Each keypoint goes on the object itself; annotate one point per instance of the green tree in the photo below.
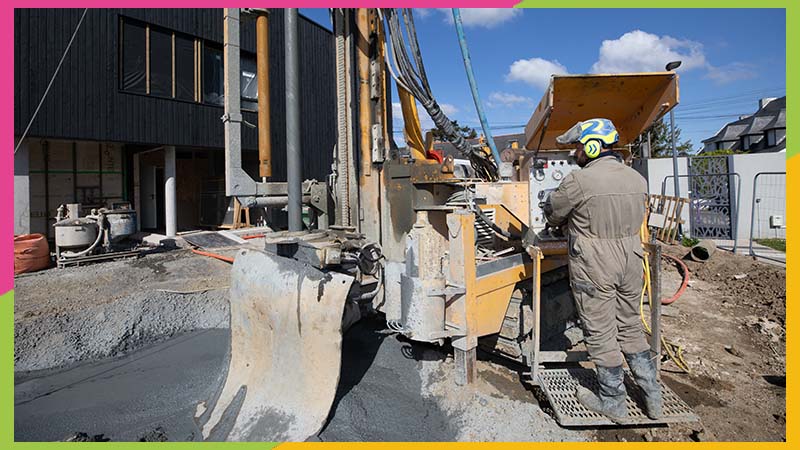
(465, 131)
(660, 141)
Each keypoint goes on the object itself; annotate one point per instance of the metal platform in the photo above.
(559, 387)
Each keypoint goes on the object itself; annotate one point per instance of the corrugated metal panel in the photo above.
(85, 102)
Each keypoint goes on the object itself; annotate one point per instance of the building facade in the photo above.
(141, 92)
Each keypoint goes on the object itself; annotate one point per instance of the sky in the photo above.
(730, 58)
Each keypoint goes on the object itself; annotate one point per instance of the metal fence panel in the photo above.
(768, 211)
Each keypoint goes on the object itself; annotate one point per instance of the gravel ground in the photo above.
(64, 316)
(731, 322)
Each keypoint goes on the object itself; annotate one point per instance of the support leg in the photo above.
(466, 367)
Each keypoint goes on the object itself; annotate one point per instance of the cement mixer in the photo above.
(448, 254)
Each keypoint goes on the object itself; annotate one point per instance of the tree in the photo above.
(660, 141)
(465, 131)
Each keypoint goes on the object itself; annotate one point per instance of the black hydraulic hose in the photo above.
(505, 233)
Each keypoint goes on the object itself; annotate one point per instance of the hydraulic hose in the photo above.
(476, 97)
(684, 284)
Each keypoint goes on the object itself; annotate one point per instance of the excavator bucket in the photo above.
(286, 338)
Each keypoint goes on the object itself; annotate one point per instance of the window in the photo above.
(134, 56)
(213, 86)
(249, 82)
(160, 63)
(157, 62)
(163, 63)
(184, 68)
(771, 141)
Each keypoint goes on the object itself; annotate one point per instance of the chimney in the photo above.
(765, 101)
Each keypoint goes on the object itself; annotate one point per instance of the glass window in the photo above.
(184, 68)
(771, 141)
(249, 82)
(213, 88)
(134, 66)
(160, 63)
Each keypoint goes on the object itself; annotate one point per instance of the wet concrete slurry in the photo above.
(124, 398)
(379, 396)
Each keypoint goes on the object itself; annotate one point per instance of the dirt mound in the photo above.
(744, 280)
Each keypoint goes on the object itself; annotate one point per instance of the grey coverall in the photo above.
(604, 204)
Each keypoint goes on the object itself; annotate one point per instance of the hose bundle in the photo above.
(410, 75)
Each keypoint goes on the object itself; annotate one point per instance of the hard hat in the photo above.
(594, 134)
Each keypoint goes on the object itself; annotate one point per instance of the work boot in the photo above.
(610, 397)
(643, 368)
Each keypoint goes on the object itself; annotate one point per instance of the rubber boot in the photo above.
(610, 398)
(643, 368)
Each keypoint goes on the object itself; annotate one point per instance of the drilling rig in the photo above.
(451, 251)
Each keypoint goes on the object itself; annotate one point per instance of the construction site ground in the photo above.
(126, 350)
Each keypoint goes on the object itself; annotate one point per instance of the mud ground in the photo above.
(731, 322)
(144, 375)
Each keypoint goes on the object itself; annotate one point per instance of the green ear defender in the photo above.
(593, 148)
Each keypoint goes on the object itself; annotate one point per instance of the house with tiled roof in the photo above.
(762, 132)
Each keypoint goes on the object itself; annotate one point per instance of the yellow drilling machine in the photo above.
(451, 250)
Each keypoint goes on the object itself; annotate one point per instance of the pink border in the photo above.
(7, 80)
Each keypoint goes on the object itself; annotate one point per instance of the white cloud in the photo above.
(535, 71)
(639, 51)
(423, 12)
(482, 17)
(507, 99)
(731, 72)
(448, 109)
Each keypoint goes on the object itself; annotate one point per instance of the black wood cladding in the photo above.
(86, 102)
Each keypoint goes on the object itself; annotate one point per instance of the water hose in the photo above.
(476, 97)
(684, 284)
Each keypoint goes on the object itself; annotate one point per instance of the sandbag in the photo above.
(31, 253)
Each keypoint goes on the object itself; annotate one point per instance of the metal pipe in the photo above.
(293, 160)
(262, 74)
(270, 201)
(674, 152)
(476, 97)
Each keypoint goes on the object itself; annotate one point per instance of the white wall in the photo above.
(656, 170)
(22, 198)
(772, 194)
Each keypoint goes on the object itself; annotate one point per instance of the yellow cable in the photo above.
(674, 351)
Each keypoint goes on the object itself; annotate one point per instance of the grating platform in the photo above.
(559, 387)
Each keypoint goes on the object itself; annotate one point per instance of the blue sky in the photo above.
(731, 58)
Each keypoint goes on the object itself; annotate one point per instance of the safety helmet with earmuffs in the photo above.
(595, 135)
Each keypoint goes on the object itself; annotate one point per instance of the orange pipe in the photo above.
(262, 76)
(227, 259)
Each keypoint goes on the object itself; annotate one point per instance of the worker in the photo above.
(603, 205)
